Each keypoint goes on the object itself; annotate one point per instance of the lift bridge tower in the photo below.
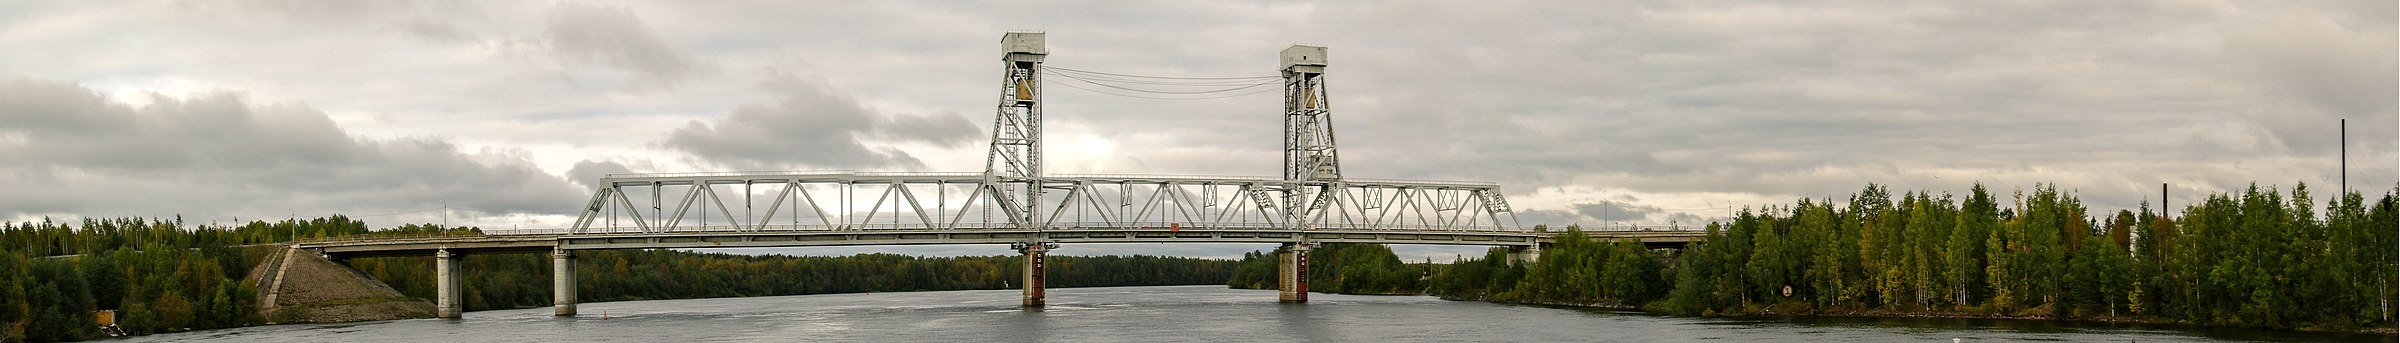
(1013, 170)
(1309, 157)
(1012, 173)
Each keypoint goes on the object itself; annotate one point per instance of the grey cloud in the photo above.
(1623, 210)
(811, 126)
(1819, 99)
(588, 172)
(438, 21)
(1614, 211)
(74, 152)
(614, 37)
(2309, 54)
(1675, 101)
(942, 130)
(1778, 100)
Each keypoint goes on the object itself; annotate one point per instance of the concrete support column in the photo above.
(1034, 281)
(1291, 272)
(1524, 254)
(445, 279)
(562, 283)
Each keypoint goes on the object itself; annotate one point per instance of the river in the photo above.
(1174, 313)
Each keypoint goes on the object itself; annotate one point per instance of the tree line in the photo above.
(164, 275)
(2254, 258)
(1338, 268)
(504, 281)
(159, 275)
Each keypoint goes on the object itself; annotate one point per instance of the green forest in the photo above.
(2256, 258)
(167, 276)
(161, 275)
(506, 281)
(1339, 268)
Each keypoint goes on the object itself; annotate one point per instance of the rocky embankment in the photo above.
(300, 287)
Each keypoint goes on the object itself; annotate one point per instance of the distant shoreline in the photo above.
(1766, 312)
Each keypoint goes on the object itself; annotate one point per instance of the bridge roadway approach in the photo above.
(1292, 267)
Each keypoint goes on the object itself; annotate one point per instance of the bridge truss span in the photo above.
(759, 202)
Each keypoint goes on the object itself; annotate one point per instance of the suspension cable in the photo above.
(1162, 87)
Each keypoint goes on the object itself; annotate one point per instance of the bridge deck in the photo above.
(538, 243)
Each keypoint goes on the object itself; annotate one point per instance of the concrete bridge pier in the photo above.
(1524, 254)
(562, 282)
(445, 280)
(1034, 280)
(1291, 272)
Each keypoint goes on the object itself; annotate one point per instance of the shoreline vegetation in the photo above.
(163, 275)
(2257, 258)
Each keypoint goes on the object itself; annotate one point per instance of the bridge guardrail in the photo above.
(732, 173)
(1451, 182)
(998, 226)
(882, 227)
(380, 237)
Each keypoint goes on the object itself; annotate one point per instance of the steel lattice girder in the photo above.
(858, 201)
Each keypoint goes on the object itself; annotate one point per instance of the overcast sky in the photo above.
(1640, 113)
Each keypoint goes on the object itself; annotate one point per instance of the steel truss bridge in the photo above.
(1013, 202)
(968, 201)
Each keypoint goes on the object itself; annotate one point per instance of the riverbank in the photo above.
(1799, 309)
(300, 287)
(1136, 313)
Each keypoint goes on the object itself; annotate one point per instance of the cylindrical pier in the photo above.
(1291, 272)
(445, 279)
(562, 282)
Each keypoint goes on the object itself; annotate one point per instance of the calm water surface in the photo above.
(1180, 313)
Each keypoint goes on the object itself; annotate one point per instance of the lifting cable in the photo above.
(1164, 87)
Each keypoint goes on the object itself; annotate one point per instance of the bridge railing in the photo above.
(394, 237)
(1068, 226)
(1417, 181)
(729, 173)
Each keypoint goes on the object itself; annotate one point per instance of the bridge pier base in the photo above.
(562, 283)
(445, 284)
(1034, 280)
(1524, 254)
(1291, 272)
